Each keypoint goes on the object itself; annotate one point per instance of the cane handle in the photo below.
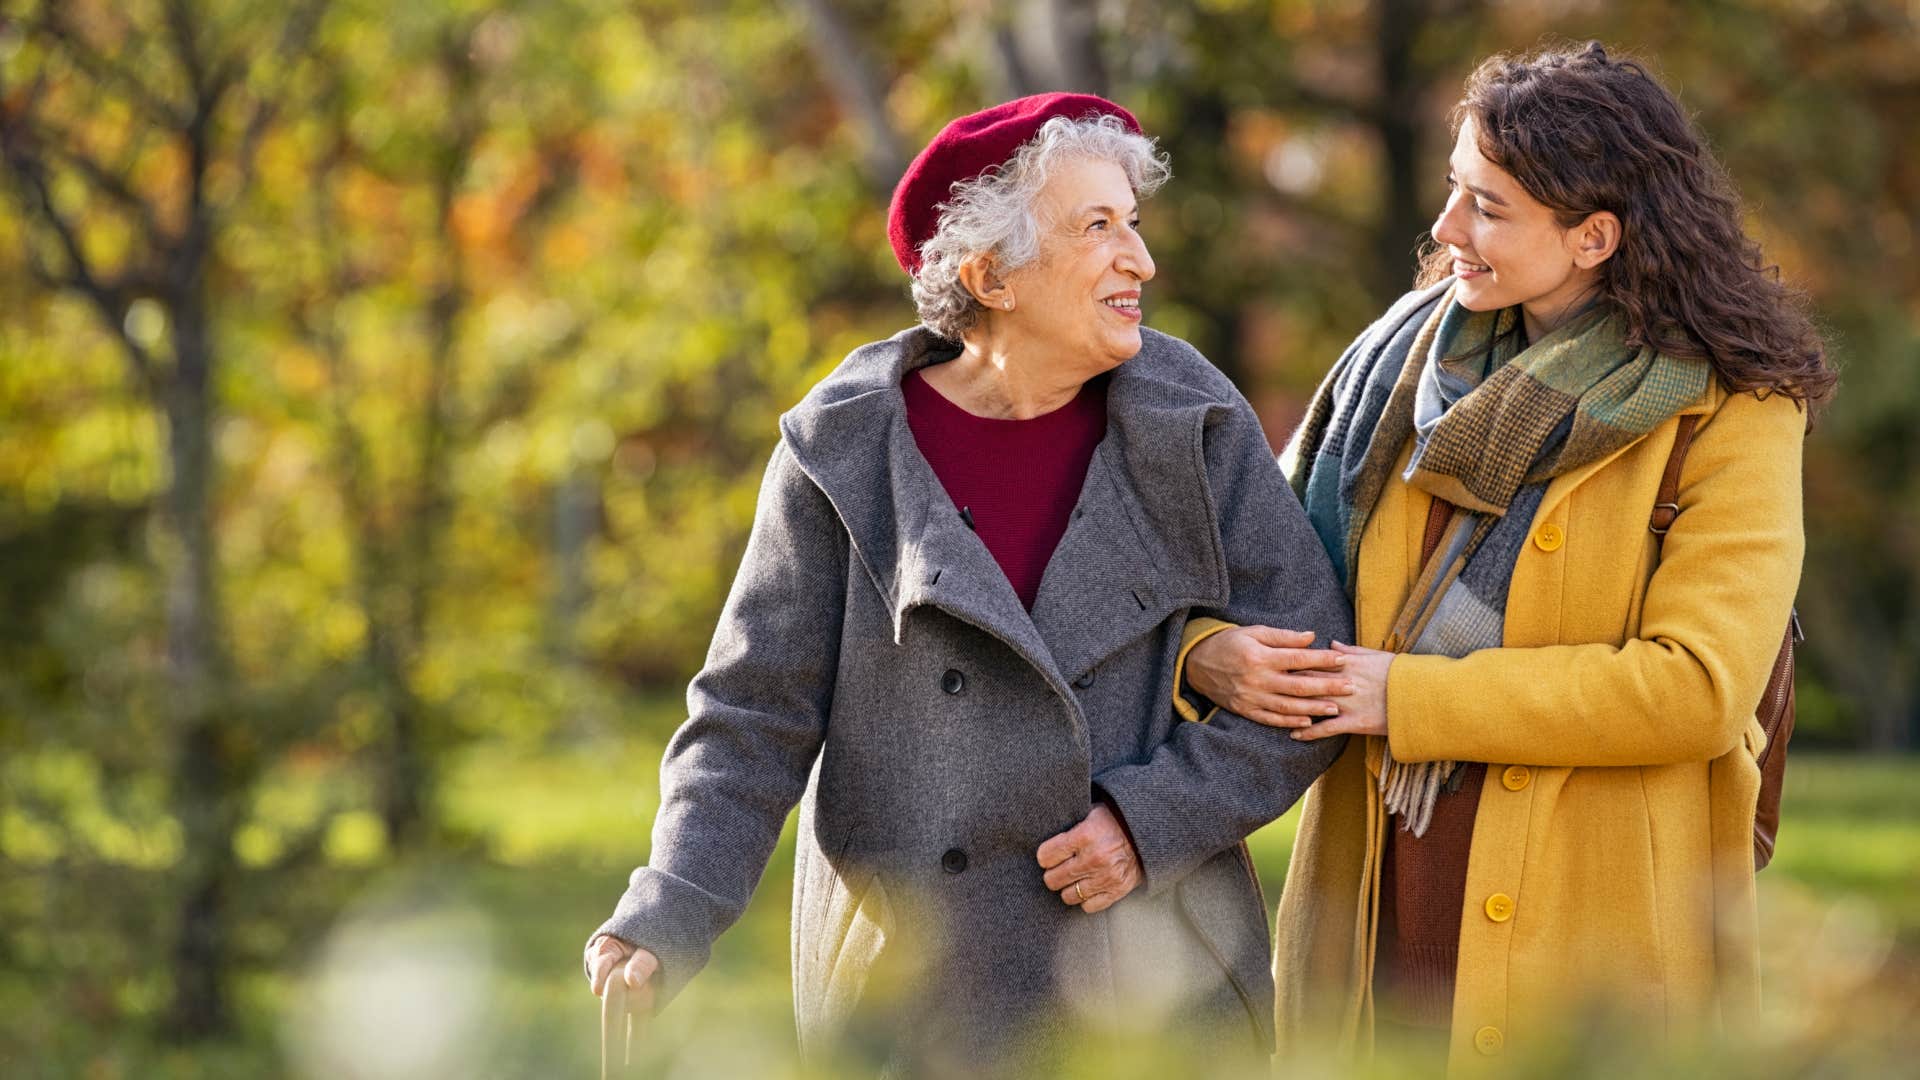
(615, 1026)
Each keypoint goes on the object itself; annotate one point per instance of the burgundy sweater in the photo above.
(1016, 480)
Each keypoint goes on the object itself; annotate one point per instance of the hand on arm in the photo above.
(1364, 710)
(1269, 675)
(1209, 785)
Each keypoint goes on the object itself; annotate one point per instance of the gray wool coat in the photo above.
(873, 664)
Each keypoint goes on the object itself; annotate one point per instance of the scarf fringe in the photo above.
(1410, 790)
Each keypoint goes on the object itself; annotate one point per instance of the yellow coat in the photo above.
(1612, 852)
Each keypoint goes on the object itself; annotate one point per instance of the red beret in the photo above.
(968, 147)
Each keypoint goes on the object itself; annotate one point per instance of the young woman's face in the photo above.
(1507, 246)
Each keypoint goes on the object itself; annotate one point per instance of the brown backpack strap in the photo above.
(1666, 505)
(1775, 711)
(1437, 517)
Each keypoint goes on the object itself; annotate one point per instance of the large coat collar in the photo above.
(1142, 543)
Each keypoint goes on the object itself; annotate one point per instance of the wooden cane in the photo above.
(616, 1030)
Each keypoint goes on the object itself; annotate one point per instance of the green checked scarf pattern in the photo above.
(1493, 420)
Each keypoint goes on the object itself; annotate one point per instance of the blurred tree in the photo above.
(398, 523)
(127, 218)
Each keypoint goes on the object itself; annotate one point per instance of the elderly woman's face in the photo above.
(1081, 296)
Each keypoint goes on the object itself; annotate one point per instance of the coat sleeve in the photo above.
(757, 715)
(1210, 784)
(1710, 627)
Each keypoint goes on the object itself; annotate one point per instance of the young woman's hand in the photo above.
(1269, 675)
(1364, 711)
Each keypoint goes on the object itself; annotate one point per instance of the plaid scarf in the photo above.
(1493, 419)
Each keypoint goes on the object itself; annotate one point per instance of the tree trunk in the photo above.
(1074, 27)
(407, 779)
(860, 89)
(404, 778)
(1402, 222)
(208, 770)
(576, 513)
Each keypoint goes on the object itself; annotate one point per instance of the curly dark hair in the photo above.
(1583, 132)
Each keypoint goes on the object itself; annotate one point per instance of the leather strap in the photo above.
(1437, 518)
(1776, 708)
(1776, 718)
(1666, 505)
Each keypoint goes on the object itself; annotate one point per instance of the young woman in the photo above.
(1551, 810)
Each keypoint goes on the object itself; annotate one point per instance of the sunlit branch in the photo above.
(149, 101)
(294, 40)
(108, 295)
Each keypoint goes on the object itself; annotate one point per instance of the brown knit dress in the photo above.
(1423, 888)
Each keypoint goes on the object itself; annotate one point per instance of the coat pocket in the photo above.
(841, 933)
(1223, 906)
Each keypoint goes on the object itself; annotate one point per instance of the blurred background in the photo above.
(384, 388)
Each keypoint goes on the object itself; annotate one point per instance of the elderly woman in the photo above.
(953, 641)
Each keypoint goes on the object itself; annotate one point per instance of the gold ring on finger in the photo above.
(1079, 894)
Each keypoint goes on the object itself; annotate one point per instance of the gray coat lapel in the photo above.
(943, 564)
(1143, 541)
(850, 435)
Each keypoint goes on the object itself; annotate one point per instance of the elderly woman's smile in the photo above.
(1126, 303)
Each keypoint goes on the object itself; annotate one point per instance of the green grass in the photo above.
(481, 942)
(1850, 831)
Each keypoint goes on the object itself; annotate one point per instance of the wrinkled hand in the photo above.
(635, 967)
(1092, 864)
(1363, 712)
(1270, 676)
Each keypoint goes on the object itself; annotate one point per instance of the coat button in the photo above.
(1488, 1040)
(953, 682)
(1499, 907)
(1084, 681)
(954, 861)
(1516, 777)
(1549, 538)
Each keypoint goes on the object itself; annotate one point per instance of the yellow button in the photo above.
(1516, 777)
(1549, 538)
(1488, 1040)
(1499, 907)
